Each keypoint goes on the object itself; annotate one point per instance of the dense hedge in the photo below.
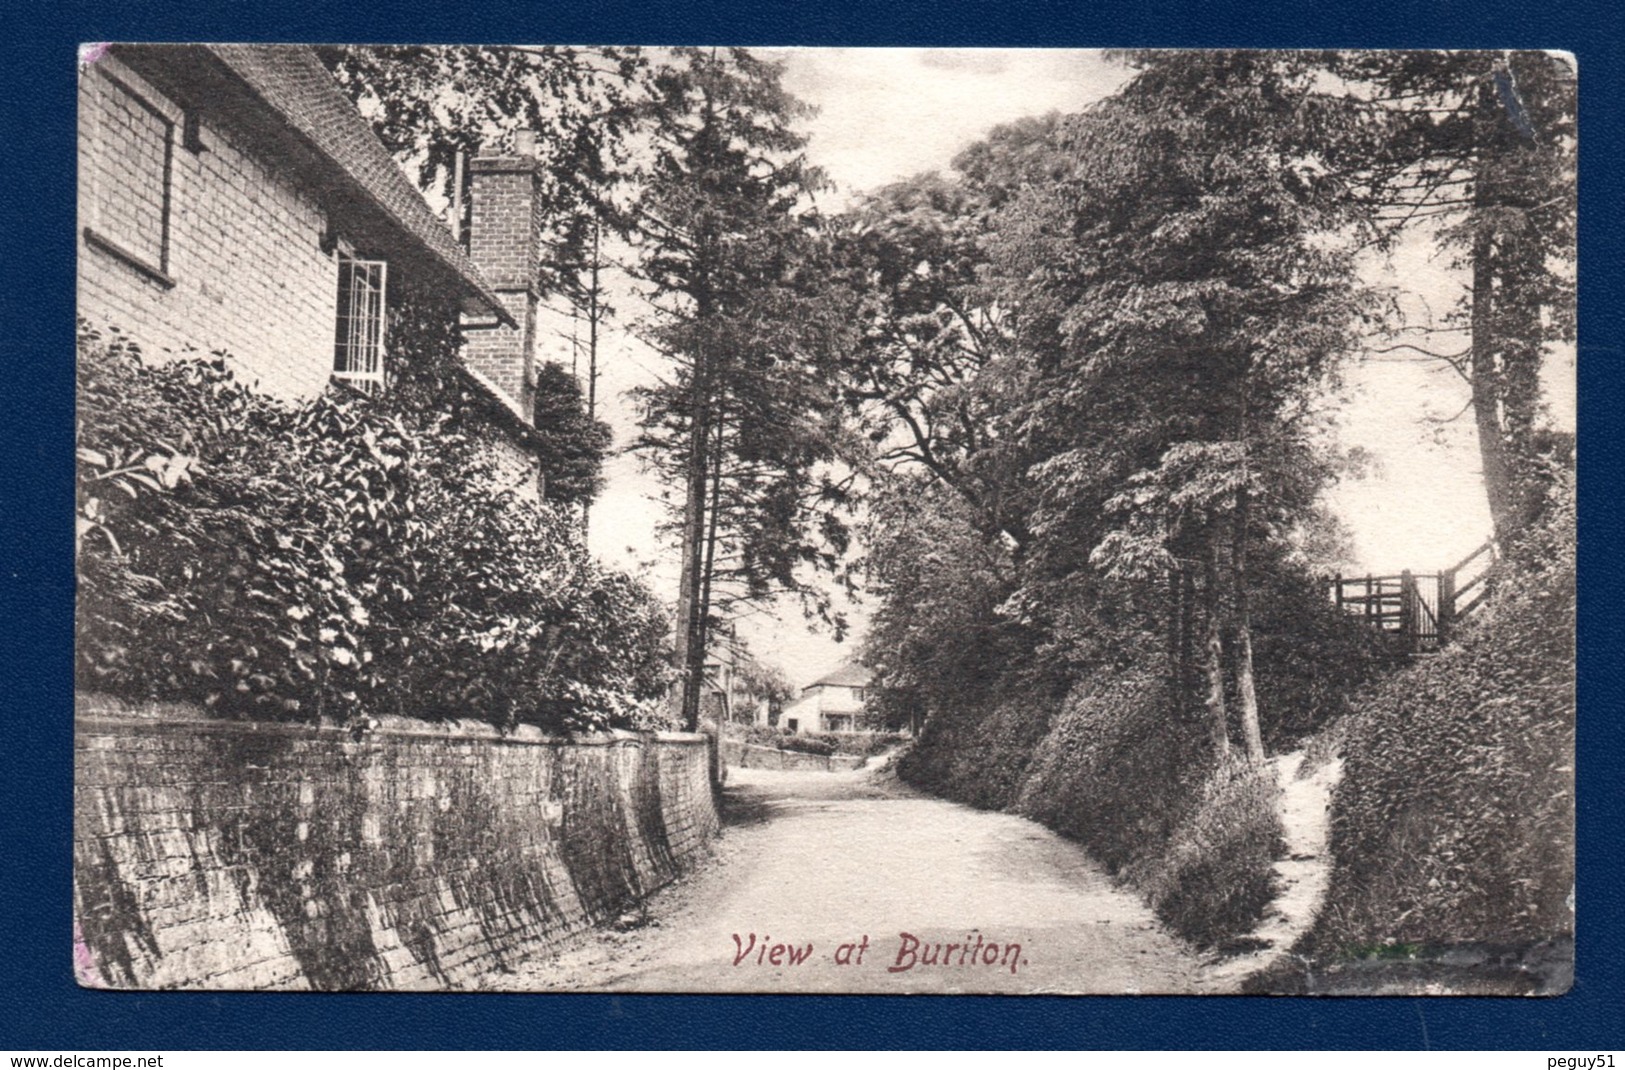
(864, 744)
(344, 557)
(977, 751)
(1454, 820)
(1120, 770)
(1117, 767)
(1215, 875)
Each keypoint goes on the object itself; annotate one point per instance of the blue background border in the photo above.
(41, 1008)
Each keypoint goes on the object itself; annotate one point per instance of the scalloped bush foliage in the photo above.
(1454, 820)
(339, 558)
(1119, 768)
(1215, 876)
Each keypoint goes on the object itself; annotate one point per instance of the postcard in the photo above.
(825, 520)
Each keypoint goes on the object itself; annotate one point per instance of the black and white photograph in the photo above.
(1012, 521)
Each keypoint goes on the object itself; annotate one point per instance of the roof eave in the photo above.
(477, 287)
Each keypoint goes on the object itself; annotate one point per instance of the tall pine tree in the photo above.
(738, 270)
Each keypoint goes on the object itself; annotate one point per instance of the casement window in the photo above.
(133, 172)
(358, 342)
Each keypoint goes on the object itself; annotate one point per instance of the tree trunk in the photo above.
(1485, 349)
(1187, 636)
(594, 312)
(1486, 386)
(1176, 612)
(688, 640)
(708, 568)
(688, 654)
(1213, 655)
(1246, 693)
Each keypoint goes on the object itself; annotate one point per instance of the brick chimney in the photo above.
(504, 241)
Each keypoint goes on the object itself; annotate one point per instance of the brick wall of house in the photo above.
(245, 270)
(503, 354)
(239, 265)
(516, 467)
(216, 854)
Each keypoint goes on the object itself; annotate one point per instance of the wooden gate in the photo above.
(1420, 610)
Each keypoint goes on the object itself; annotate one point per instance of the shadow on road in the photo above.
(744, 805)
(755, 797)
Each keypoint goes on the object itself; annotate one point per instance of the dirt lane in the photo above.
(826, 859)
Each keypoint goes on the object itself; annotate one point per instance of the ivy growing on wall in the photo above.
(345, 557)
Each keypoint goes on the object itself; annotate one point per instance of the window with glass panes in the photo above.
(358, 343)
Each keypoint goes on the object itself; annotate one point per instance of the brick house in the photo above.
(231, 198)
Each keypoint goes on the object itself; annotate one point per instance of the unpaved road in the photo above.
(827, 859)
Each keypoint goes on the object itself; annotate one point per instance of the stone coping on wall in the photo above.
(94, 709)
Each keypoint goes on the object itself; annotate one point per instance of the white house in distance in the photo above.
(832, 703)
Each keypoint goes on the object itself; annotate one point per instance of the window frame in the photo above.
(96, 233)
(369, 342)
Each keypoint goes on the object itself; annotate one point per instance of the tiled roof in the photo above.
(849, 674)
(292, 81)
(800, 705)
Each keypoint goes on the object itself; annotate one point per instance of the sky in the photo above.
(886, 114)
(882, 115)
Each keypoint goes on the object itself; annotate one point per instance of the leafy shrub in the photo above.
(781, 738)
(757, 734)
(1214, 877)
(1119, 770)
(508, 614)
(869, 744)
(228, 586)
(338, 557)
(864, 744)
(1454, 820)
(807, 745)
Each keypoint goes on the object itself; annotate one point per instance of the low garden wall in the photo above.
(251, 855)
(743, 755)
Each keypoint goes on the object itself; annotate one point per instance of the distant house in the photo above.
(720, 696)
(727, 696)
(832, 703)
(231, 198)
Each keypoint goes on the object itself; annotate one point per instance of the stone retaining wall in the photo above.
(232, 855)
